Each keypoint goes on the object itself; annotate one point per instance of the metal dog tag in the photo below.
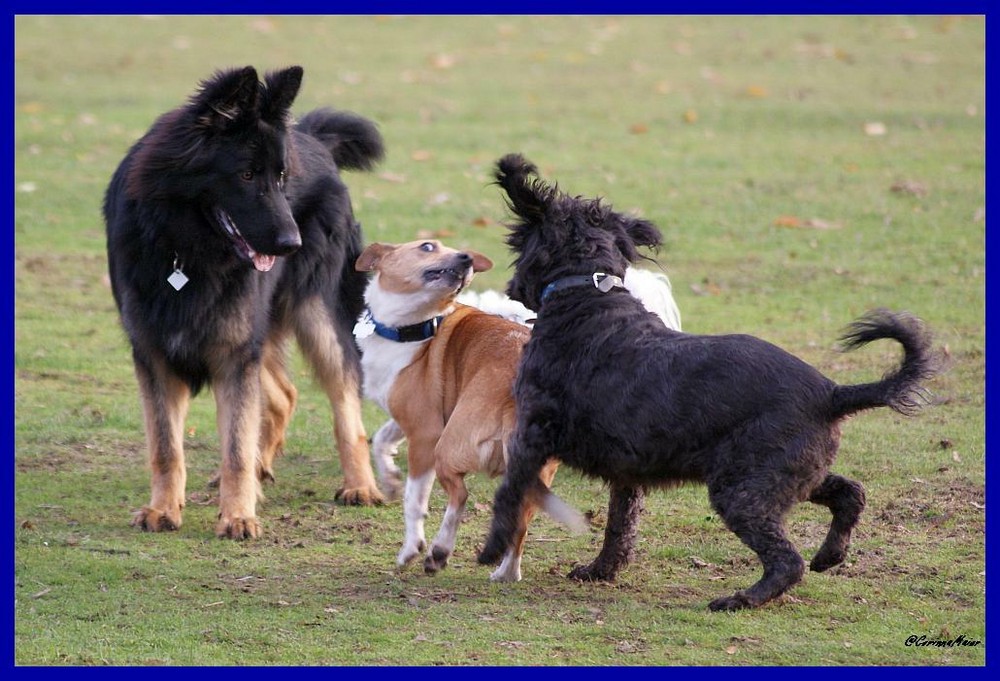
(177, 280)
(605, 284)
(364, 328)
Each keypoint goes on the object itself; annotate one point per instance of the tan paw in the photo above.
(237, 528)
(359, 496)
(155, 520)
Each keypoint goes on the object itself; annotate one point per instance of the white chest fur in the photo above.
(381, 362)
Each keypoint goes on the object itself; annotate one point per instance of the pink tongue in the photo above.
(262, 262)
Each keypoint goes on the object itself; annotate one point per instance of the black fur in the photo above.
(620, 397)
(231, 154)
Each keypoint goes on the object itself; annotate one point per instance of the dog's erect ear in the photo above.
(225, 98)
(637, 232)
(480, 263)
(370, 257)
(527, 195)
(280, 90)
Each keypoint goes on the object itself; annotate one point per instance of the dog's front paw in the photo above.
(359, 496)
(436, 560)
(237, 528)
(738, 601)
(591, 573)
(824, 560)
(409, 552)
(154, 520)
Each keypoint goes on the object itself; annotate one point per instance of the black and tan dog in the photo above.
(229, 230)
(618, 396)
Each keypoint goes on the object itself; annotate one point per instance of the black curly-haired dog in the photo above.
(612, 392)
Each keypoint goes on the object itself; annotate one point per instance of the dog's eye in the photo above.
(427, 246)
(281, 179)
(247, 175)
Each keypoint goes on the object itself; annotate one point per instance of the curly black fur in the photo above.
(620, 397)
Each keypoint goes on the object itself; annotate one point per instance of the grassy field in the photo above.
(802, 169)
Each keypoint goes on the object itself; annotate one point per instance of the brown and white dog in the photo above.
(444, 372)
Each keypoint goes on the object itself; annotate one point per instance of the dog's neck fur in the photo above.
(382, 359)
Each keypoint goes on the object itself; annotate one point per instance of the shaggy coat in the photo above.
(615, 394)
(228, 230)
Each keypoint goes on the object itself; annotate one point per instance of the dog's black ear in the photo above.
(224, 99)
(527, 195)
(637, 232)
(280, 89)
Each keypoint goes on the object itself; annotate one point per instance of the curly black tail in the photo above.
(900, 389)
(354, 141)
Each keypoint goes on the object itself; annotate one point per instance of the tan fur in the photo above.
(319, 342)
(164, 419)
(454, 400)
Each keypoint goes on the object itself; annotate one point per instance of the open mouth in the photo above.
(448, 276)
(261, 261)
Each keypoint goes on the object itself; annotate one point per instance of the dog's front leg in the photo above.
(165, 399)
(416, 497)
(238, 411)
(620, 533)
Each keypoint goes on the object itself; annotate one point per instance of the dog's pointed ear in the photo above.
(370, 257)
(527, 195)
(280, 89)
(224, 99)
(637, 232)
(480, 263)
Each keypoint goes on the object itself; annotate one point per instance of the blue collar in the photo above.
(599, 280)
(407, 334)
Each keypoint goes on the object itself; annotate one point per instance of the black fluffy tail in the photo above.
(899, 389)
(354, 141)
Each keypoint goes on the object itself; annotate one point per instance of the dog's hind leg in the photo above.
(280, 397)
(444, 543)
(524, 464)
(165, 399)
(846, 500)
(620, 533)
(385, 444)
(510, 567)
(336, 363)
(754, 511)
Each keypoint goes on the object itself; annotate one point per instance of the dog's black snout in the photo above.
(287, 243)
(464, 259)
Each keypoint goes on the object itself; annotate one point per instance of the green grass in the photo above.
(719, 129)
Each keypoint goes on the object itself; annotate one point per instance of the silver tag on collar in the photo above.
(605, 282)
(177, 279)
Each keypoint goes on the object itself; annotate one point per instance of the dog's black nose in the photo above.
(287, 243)
(464, 259)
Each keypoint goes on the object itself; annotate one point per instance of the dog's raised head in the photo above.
(557, 235)
(227, 152)
(416, 280)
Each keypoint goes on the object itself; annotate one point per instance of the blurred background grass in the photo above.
(802, 169)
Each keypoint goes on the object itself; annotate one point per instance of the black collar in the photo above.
(599, 280)
(420, 331)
